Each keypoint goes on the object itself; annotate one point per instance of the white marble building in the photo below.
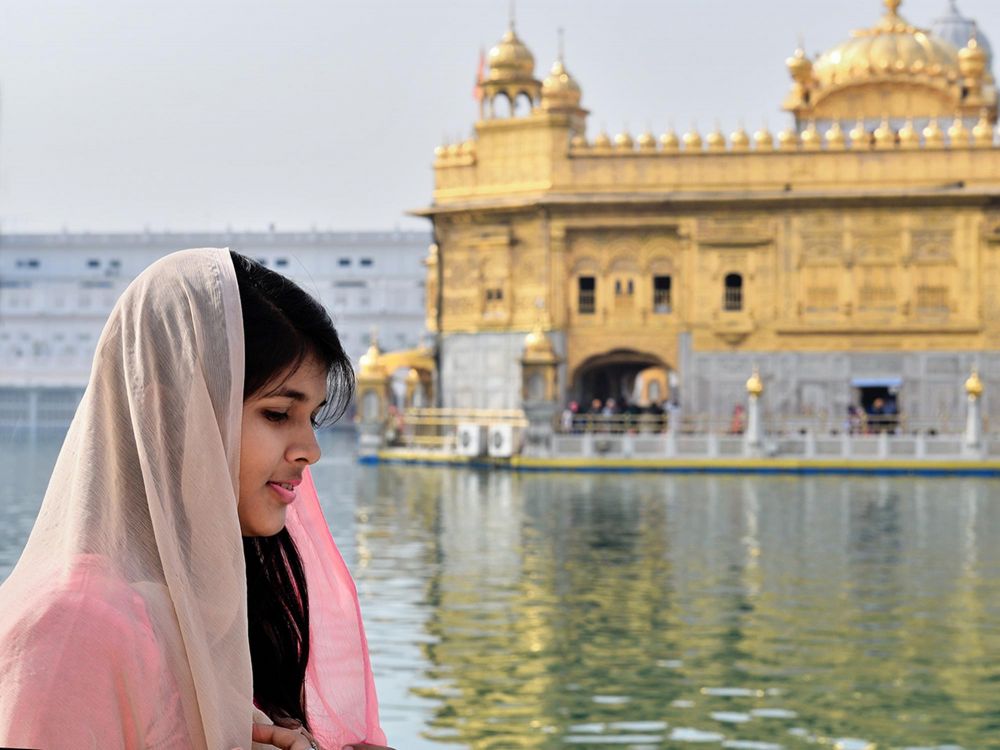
(56, 291)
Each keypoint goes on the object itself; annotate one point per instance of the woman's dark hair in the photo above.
(282, 326)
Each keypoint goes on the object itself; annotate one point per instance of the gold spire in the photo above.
(909, 138)
(624, 142)
(755, 386)
(859, 135)
(716, 140)
(739, 139)
(811, 139)
(885, 138)
(763, 140)
(647, 141)
(958, 134)
(788, 139)
(692, 140)
(982, 133)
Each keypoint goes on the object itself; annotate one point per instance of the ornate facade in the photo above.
(857, 249)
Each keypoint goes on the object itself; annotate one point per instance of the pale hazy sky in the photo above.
(202, 114)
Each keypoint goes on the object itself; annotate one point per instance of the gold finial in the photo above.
(716, 140)
(692, 139)
(669, 140)
(974, 386)
(909, 138)
(835, 138)
(885, 138)
(859, 136)
(788, 139)
(811, 139)
(740, 139)
(623, 141)
(958, 134)
(893, 6)
(646, 141)
(933, 136)
(369, 362)
(755, 386)
(982, 133)
(763, 139)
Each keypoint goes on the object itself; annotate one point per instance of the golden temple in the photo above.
(853, 254)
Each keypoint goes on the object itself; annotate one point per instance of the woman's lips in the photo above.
(286, 496)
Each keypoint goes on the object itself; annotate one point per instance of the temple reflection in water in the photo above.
(558, 610)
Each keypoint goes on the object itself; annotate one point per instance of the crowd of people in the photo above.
(615, 415)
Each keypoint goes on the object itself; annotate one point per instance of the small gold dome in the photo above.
(454, 149)
(716, 140)
(468, 148)
(670, 141)
(412, 376)
(958, 134)
(602, 141)
(578, 141)
(800, 67)
(560, 90)
(368, 365)
(788, 139)
(884, 136)
(836, 140)
(740, 139)
(860, 137)
(974, 386)
(537, 344)
(510, 59)
(909, 138)
(972, 60)
(933, 135)
(811, 139)
(692, 140)
(982, 133)
(624, 142)
(763, 140)
(440, 151)
(647, 141)
(755, 386)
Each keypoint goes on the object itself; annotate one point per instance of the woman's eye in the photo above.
(275, 416)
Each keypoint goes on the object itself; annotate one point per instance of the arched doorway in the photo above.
(626, 375)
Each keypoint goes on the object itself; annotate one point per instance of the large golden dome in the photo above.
(510, 59)
(892, 47)
(892, 70)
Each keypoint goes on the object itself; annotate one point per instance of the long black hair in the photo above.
(282, 326)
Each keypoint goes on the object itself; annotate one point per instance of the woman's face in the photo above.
(278, 442)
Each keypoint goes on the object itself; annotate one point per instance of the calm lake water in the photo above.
(657, 611)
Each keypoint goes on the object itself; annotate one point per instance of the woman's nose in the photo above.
(306, 448)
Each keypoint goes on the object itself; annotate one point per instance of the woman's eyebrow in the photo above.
(293, 394)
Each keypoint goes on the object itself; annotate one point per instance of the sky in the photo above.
(122, 115)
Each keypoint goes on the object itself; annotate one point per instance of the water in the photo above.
(658, 611)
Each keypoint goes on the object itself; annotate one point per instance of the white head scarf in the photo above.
(124, 623)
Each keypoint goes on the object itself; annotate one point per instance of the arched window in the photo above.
(733, 298)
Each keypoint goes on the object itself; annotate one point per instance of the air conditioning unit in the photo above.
(470, 439)
(503, 440)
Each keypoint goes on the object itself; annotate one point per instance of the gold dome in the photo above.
(740, 139)
(559, 89)
(972, 60)
(800, 66)
(811, 139)
(578, 141)
(893, 47)
(647, 141)
(933, 135)
(537, 345)
(958, 134)
(440, 151)
(982, 133)
(602, 141)
(624, 142)
(368, 365)
(692, 140)
(510, 59)
(670, 141)
(716, 140)
(884, 136)
(835, 138)
(909, 138)
(755, 386)
(788, 139)
(763, 140)
(860, 137)
(974, 386)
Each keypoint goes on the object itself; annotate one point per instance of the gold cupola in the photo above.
(560, 91)
(892, 68)
(511, 75)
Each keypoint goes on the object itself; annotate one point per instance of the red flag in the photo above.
(477, 91)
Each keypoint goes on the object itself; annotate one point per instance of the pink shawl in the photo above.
(123, 624)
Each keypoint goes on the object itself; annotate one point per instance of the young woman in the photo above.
(180, 588)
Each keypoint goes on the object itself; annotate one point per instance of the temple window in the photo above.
(733, 298)
(587, 288)
(661, 294)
